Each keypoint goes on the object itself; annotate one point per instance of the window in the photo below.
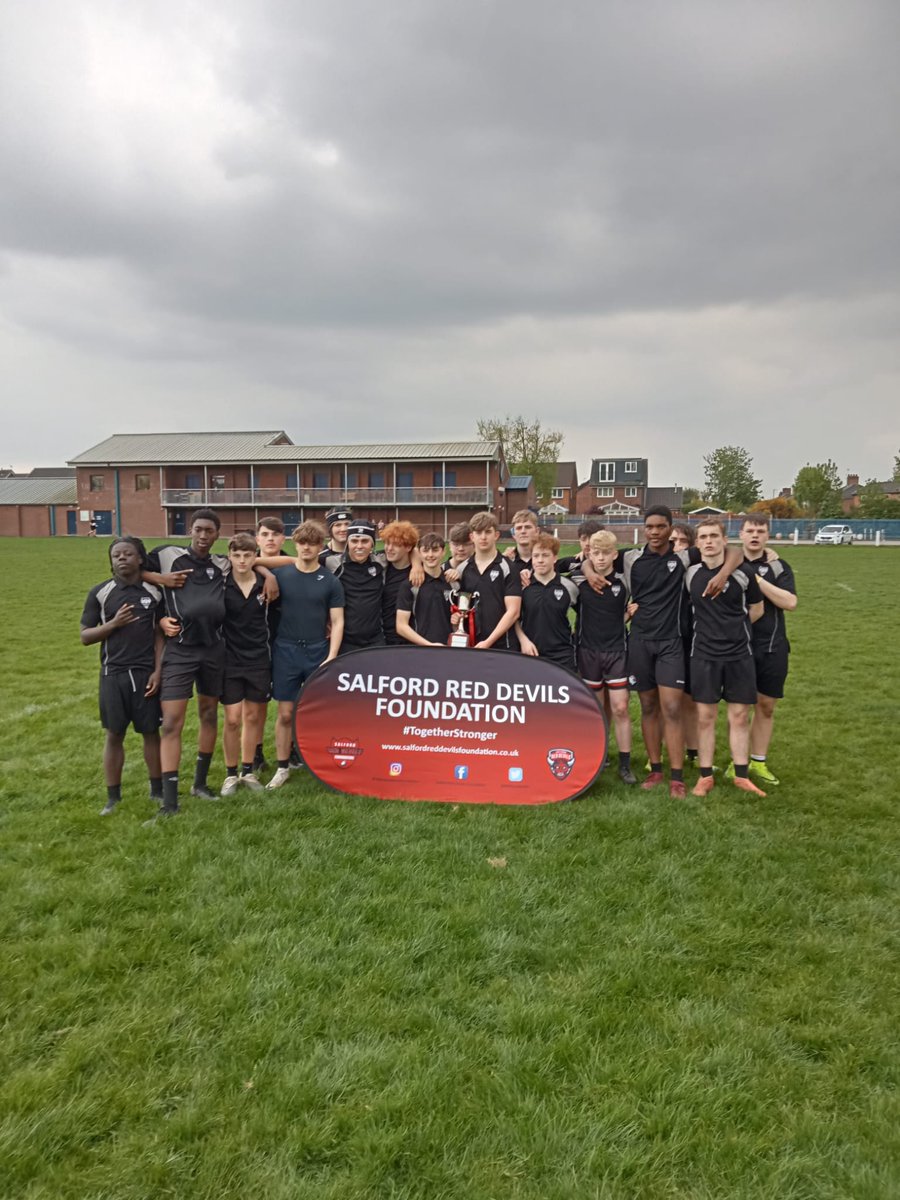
(376, 479)
(97, 483)
(405, 485)
(291, 481)
(444, 479)
(604, 493)
(351, 480)
(142, 483)
(606, 472)
(193, 483)
(557, 493)
(631, 467)
(321, 479)
(630, 493)
(217, 483)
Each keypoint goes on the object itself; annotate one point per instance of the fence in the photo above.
(781, 530)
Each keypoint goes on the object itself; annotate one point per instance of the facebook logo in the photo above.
(515, 774)
(460, 772)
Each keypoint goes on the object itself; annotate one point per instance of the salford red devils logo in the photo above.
(343, 751)
(561, 762)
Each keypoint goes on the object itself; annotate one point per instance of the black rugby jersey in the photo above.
(246, 626)
(394, 580)
(721, 623)
(430, 608)
(199, 606)
(601, 615)
(363, 585)
(656, 583)
(492, 585)
(545, 617)
(130, 648)
(769, 632)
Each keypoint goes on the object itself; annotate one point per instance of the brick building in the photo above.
(615, 487)
(40, 504)
(149, 484)
(565, 486)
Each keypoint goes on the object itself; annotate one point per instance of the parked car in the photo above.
(834, 535)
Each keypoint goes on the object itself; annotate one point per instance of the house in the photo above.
(565, 486)
(149, 483)
(671, 497)
(615, 486)
(850, 493)
(518, 494)
(41, 503)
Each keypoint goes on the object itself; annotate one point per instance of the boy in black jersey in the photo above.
(248, 665)
(400, 539)
(424, 612)
(601, 642)
(121, 614)
(771, 647)
(338, 521)
(489, 575)
(586, 531)
(461, 546)
(543, 627)
(722, 655)
(361, 576)
(525, 531)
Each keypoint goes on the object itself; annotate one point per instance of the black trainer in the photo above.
(110, 807)
(295, 762)
(627, 776)
(203, 792)
(162, 814)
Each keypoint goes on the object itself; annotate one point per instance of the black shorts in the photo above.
(123, 703)
(247, 683)
(730, 679)
(603, 668)
(654, 664)
(687, 665)
(771, 671)
(183, 666)
(292, 665)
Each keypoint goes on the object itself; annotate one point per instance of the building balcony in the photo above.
(293, 498)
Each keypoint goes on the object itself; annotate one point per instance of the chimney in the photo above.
(852, 481)
(787, 493)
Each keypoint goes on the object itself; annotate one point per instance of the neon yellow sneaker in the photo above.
(760, 771)
(729, 771)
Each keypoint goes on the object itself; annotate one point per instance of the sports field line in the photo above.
(845, 586)
(35, 710)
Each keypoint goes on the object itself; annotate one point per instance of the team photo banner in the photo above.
(451, 725)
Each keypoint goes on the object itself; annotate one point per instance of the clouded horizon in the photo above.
(661, 228)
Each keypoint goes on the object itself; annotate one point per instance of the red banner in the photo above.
(458, 726)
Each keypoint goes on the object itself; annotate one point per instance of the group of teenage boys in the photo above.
(684, 625)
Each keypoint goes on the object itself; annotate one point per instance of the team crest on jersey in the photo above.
(671, 565)
(344, 751)
(558, 593)
(146, 601)
(763, 570)
(725, 585)
(560, 762)
(373, 570)
(616, 589)
(495, 575)
(211, 571)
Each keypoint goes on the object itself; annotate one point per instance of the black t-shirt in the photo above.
(656, 583)
(305, 604)
(363, 585)
(430, 608)
(601, 615)
(545, 615)
(130, 648)
(769, 632)
(246, 626)
(492, 586)
(721, 623)
(200, 605)
(394, 579)
(566, 565)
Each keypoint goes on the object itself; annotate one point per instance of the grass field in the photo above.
(311, 995)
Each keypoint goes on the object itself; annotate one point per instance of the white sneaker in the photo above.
(279, 779)
(251, 782)
(230, 786)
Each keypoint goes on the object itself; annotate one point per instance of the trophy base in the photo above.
(459, 639)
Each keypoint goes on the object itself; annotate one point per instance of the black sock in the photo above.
(742, 771)
(114, 792)
(201, 770)
(246, 768)
(230, 771)
(156, 787)
(259, 754)
(677, 775)
(284, 763)
(692, 754)
(624, 760)
(170, 790)
(656, 768)
(706, 772)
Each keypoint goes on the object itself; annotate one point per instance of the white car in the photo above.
(834, 535)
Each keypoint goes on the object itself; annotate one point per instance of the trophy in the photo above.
(463, 604)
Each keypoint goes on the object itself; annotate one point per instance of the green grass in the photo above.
(311, 995)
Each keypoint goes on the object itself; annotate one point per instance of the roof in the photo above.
(145, 449)
(671, 497)
(40, 490)
(52, 472)
(566, 474)
(519, 483)
(632, 477)
(890, 487)
(706, 510)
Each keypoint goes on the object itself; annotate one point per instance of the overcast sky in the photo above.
(661, 227)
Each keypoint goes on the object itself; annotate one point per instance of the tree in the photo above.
(817, 489)
(778, 508)
(874, 505)
(529, 448)
(896, 475)
(690, 499)
(730, 483)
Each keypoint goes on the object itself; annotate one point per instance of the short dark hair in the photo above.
(686, 530)
(274, 523)
(242, 541)
(589, 528)
(311, 533)
(659, 510)
(461, 532)
(431, 541)
(205, 514)
(756, 518)
(132, 541)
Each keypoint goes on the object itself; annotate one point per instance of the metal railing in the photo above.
(362, 498)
